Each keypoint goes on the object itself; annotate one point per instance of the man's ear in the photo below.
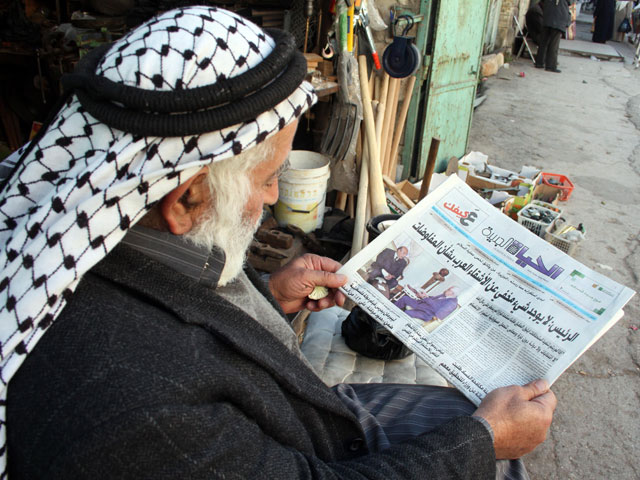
(182, 205)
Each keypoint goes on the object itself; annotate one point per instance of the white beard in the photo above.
(224, 225)
(230, 232)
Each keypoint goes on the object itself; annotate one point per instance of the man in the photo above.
(428, 308)
(534, 21)
(134, 343)
(556, 19)
(387, 268)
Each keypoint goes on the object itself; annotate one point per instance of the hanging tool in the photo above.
(363, 20)
(40, 78)
(318, 32)
(401, 58)
(328, 51)
(346, 114)
(350, 24)
(343, 27)
(308, 12)
(340, 137)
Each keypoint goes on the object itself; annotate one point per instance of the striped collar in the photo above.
(177, 253)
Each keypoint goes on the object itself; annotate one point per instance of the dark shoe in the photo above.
(554, 70)
(539, 66)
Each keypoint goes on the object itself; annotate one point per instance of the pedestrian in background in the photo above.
(603, 18)
(556, 18)
(533, 22)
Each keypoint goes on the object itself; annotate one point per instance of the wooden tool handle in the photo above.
(361, 207)
(341, 201)
(376, 186)
(389, 120)
(428, 171)
(395, 144)
(397, 192)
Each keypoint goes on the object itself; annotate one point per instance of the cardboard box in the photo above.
(478, 182)
(409, 189)
(546, 194)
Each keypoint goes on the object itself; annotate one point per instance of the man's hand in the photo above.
(292, 284)
(519, 416)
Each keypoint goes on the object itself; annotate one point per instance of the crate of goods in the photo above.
(558, 181)
(522, 198)
(545, 193)
(537, 216)
(564, 236)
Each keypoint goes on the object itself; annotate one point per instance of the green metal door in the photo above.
(453, 65)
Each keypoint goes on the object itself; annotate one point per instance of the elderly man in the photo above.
(135, 344)
(428, 308)
(556, 18)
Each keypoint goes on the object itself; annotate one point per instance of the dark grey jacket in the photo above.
(556, 14)
(147, 374)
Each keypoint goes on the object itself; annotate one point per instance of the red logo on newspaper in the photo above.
(464, 216)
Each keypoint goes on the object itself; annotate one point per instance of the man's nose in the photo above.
(271, 196)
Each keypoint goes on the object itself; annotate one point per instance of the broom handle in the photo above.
(393, 157)
(361, 206)
(428, 171)
(378, 199)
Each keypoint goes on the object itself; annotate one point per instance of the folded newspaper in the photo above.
(477, 296)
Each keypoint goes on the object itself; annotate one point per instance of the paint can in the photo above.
(303, 191)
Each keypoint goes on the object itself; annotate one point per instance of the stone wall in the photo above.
(506, 26)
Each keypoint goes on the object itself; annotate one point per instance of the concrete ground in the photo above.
(585, 124)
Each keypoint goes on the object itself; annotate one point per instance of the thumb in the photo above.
(547, 400)
(326, 279)
(536, 388)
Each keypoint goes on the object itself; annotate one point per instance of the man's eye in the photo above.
(284, 168)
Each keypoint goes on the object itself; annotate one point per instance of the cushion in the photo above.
(335, 363)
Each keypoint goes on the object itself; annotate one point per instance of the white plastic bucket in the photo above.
(303, 190)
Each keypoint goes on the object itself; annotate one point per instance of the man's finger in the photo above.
(325, 279)
(324, 263)
(536, 388)
(548, 400)
(339, 298)
(311, 305)
(326, 302)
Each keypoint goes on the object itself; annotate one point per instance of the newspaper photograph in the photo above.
(484, 301)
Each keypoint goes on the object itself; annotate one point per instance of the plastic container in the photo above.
(303, 191)
(375, 226)
(513, 205)
(567, 245)
(560, 182)
(538, 226)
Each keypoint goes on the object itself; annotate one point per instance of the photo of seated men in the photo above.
(385, 271)
(431, 309)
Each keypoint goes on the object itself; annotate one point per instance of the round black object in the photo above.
(372, 224)
(364, 335)
(401, 58)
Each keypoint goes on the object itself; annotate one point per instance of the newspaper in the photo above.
(484, 301)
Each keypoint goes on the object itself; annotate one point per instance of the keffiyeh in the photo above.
(189, 87)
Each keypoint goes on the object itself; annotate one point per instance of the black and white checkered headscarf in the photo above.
(189, 87)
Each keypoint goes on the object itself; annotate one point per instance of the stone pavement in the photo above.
(583, 123)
